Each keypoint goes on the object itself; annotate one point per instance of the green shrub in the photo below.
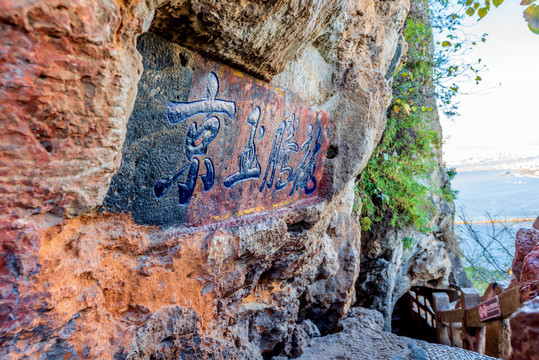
(392, 186)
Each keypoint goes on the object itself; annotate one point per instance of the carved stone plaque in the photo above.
(206, 143)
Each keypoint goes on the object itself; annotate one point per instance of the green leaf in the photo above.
(531, 14)
(446, 43)
(406, 108)
(498, 2)
(470, 11)
(535, 31)
(407, 242)
(476, 5)
(469, 2)
(366, 224)
(482, 12)
(527, 2)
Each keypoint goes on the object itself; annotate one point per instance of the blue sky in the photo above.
(504, 118)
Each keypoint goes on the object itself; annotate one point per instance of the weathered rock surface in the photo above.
(79, 281)
(362, 338)
(260, 37)
(529, 281)
(389, 270)
(524, 334)
(536, 224)
(525, 241)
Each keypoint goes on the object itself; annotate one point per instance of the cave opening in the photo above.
(405, 323)
(413, 315)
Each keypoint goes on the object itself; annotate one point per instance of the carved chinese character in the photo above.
(181, 111)
(280, 156)
(249, 167)
(197, 140)
(304, 173)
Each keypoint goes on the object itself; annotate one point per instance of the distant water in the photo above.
(503, 196)
(496, 195)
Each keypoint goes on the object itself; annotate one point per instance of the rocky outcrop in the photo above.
(82, 275)
(523, 323)
(526, 263)
(389, 269)
(525, 241)
(395, 259)
(524, 337)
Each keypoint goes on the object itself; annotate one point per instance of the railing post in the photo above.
(470, 297)
(492, 344)
(473, 338)
(441, 303)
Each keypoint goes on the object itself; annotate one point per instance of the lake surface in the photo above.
(493, 195)
(504, 197)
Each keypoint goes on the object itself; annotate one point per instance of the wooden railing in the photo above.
(436, 322)
(422, 313)
(469, 318)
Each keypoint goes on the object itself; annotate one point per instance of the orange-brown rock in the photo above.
(77, 282)
(492, 290)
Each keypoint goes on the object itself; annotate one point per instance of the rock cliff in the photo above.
(112, 246)
(395, 258)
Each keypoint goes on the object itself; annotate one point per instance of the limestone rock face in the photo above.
(81, 275)
(524, 336)
(258, 36)
(389, 269)
(393, 260)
